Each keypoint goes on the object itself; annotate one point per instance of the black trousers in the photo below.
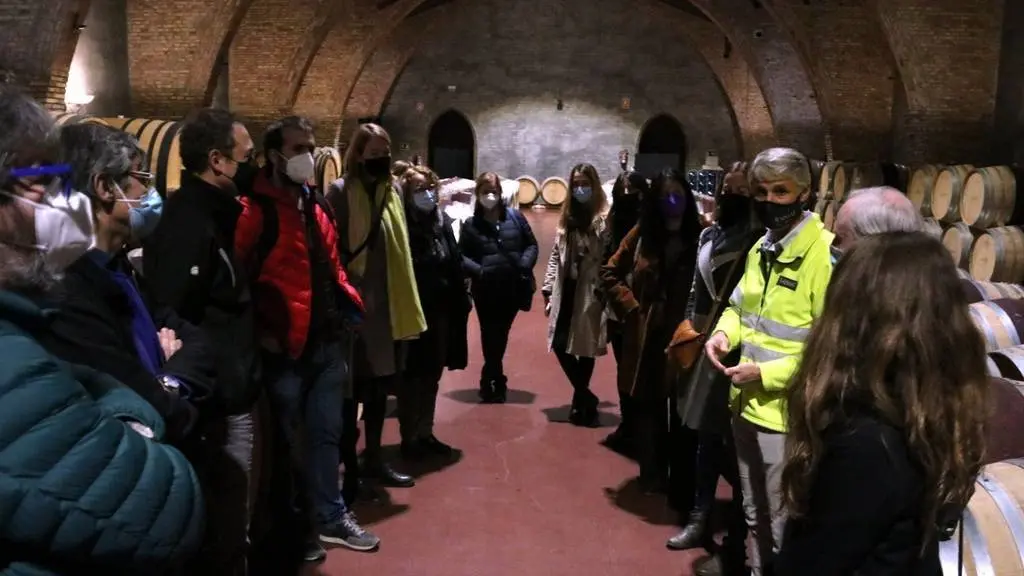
(496, 318)
(579, 370)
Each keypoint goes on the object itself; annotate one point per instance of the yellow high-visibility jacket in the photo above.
(770, 315)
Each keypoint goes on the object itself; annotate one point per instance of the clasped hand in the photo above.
(745, 373)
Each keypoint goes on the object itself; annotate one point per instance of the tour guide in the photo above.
(771, 310)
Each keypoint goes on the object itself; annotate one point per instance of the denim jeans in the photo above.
(307, 401)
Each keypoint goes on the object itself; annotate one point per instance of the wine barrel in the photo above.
(1000, 322)
(827, 182)
(866, 176)
(922, 184)
(829, 217)
(958, 239)
(932, 227)
(554, 191)
(1006, 413)
(948, 189)
(529, 189)
(993, 525)
(896, 176)
(328, 167)
(998, 255)
(816, 167)
(159, 139)
(69, 119)
(990, 197)
(1009, 362)
(820, 206)
(976, 290)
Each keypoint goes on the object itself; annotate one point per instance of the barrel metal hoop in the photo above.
(1011, 511)
(1018, 462)
(979, 549)
(1007, 323)
(949, 555)
(164, 158)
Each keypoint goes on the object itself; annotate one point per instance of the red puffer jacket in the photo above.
(283, 290)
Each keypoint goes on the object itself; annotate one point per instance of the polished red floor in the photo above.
(530, 496)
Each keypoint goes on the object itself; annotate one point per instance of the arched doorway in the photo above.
(451, 147)
(662, 145)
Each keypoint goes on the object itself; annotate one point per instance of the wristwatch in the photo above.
(170, 383)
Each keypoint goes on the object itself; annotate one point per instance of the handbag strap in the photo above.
(717, 303)
(351, 255)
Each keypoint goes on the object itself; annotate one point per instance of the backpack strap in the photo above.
(268, 235)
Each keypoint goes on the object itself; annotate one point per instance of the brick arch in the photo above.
(325, 67)
(753, 122)
(378, 77)
(775, 63)
(39, 45)
(844, 49)
(173, 52)
(947, 53)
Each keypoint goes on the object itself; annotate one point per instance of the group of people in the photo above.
(182, 373)
(835, 380)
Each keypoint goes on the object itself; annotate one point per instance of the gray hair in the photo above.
(94, 149)
(25, 127)
(881, 209)
(781, 164)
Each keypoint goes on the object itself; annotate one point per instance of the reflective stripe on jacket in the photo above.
(770, 315)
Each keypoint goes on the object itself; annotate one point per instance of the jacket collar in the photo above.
(95, 268)
(800, 239)
(212, 200)
(264, 186)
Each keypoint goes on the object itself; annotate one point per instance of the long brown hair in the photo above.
(896, 341)
(357, 145)
(571, 217)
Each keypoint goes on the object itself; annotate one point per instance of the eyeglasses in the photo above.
(144, 178)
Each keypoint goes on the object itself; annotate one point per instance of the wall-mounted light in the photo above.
(626, 103)
(451, 87)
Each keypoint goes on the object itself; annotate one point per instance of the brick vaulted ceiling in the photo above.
(928, 70)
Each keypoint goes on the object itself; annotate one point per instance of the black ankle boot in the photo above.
(692, 535)
(500, 390)
(487, 391)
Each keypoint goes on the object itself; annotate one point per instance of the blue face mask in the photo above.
(582, 194)
(145, 213)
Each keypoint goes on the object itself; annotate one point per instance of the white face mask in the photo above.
(489, 201)
(64, 226)
(300, 168)
(425, 200)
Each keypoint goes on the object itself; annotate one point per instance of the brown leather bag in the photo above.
(687, 343)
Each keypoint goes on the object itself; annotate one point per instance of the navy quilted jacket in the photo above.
(80, 491)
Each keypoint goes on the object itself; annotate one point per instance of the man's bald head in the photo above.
(874, 211)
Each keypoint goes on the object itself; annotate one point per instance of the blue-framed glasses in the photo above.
(49, 173)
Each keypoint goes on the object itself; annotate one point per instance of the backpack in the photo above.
(268, 235)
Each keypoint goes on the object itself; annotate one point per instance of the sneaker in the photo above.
(348, 533)
(314, 552)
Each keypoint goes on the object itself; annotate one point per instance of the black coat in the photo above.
(93, 327)
(190, 266)
(437, 263)
(495, 257)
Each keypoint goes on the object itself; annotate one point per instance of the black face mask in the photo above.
(778, 216)
(377, 168)
(244, 177)
(733, 209)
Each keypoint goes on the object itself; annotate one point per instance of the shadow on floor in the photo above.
(651, 508)
(472, 396)
(560, 414)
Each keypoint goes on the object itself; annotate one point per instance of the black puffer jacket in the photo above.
(495, 256)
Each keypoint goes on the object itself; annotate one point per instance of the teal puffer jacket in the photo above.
(80, 491)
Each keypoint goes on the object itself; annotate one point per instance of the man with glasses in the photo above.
(189, 265)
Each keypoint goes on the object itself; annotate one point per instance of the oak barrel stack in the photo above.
(328, 167)
(159, 140)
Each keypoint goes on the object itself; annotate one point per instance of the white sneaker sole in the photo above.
(349, 545)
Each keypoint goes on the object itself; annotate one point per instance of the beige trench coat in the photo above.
(587, 334)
